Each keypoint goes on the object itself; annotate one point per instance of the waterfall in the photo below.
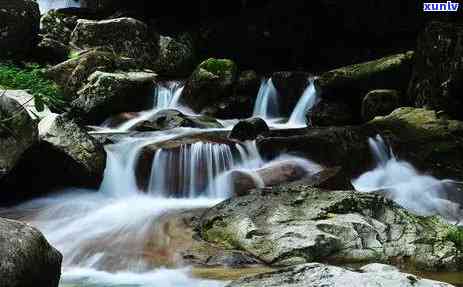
(266, 105)
(165, 96)
(306, 102)
(399, 180)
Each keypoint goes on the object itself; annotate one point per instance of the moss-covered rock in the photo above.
(437, 80)
(19, 27)
(380, 103)
(125, 37)
(176, 57)
(298, 224)
(26, 258)
(108, 94)
(354, 81)
(210, 87)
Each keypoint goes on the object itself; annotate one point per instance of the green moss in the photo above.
(218, 66)
(31, 78)
(73, 55)
(455, 235)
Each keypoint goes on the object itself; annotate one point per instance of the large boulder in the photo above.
(210, 85)
(299, 224)
(26, 258)
(437, 80)
(169, 119)
(425, 138)
(18, 130)
(176, 57)
(380, 103)
(72, 74)
(353, 82)
(125, 37)
(331, 113)
(316, 274)
(19, 27)
(249, 129)
(107, 94)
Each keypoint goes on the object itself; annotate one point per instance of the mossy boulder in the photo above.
(331, 112)
(300, 224)
(437, 81)
(210, 85)
(26, 258)
(176, 57)
(57, 25)
(125, 37)
(108, 94)
(392, 72)
(19, 27)
(380, 103)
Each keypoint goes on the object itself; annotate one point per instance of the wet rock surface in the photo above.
(299, 224)
(315, 274)
(26, 258)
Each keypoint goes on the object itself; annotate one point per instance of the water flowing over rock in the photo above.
(26, 258)
(19, 25)
(18, 130)
(126, 37)
(380, 103)
(316, 274)
(266, 105)
(299, 224)
(111, 93)
(437, 72)
(290, 86)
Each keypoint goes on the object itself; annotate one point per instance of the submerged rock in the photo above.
(437, 80)
(19, 27)
(106, 94)
(299, 224)
(125, 37)
(380, 103)
(249, 129)
(316, 274)
(26, 258)
(169, 119)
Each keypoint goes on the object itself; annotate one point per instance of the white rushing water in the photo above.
(266, 105)
(308, 100)
(47, 5)
(399, 180)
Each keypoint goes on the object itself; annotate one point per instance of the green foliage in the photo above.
(31, 78)
(455, 235)
(73, 55)
(218, 66)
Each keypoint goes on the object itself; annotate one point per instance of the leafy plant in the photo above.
(456, 236)
(32, 79)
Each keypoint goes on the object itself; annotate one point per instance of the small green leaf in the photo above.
(39, 104)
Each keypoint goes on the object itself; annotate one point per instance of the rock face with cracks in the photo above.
(298, 224)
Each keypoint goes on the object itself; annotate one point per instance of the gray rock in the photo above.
(176, 57)
(26, 258)
(18, 130)
(380, 103)
(315, 275)
(126, 37)
(331, 113)
(249, 129)
(87, 155)
(298, 224)
(19, 27)
(107, 94)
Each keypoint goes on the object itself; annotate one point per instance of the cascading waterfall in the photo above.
(266, 105)
(422, 194)
(166, 96)
(308, 100)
